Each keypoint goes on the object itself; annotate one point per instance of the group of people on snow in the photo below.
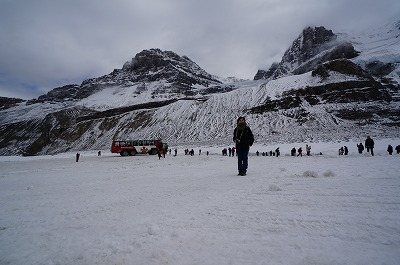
(300, 151)
(343, 151)
(277, 153)
(243, 139)
(390, 149)
(230, 151)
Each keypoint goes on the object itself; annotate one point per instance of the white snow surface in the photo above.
(321, 209)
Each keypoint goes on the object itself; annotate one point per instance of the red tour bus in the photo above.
(133, 147)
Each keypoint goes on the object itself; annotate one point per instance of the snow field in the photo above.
(195, 210)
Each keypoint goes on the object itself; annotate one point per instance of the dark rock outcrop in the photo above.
(179, 72)
(313, 47)
(6, 103)
(262, 74)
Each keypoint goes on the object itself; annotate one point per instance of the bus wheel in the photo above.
(132, 153)
(153, 151)
(124, 153)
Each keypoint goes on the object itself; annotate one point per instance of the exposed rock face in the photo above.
(170, 96)
(147, 66)
(313, 47)
(6, 103)
(154, 64)
(61, 94)
(379, 68)
(310, 43)
(342, 51)
(262, 74)
(370, 101)
(343, 66)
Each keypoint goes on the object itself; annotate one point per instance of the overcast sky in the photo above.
(50, 43)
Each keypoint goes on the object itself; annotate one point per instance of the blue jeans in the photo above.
(243, 156)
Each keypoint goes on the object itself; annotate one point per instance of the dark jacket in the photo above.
(243, 138)
(369, 143)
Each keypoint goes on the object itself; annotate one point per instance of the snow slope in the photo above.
(379, 44)
(322, 209)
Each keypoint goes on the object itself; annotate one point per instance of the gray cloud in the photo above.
(50, 43)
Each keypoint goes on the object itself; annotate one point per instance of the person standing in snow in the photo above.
(341, 151)
(369, 145)
(293, 152)
(159, 153)
(390, 149)
(360, 148)
(346, 150)
(398, 149)
(243, 138)
(308, 149)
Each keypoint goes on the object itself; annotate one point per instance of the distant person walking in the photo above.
(390, 149)
(360, 148)
(308, 149)
(398, 149)
(243, 138)
(300, 152)
(277, 152)
(369, 145)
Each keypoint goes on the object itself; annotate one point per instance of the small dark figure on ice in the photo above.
(293, 152)
(346, 151)
(300, 152)
(398, 149)
(277, 152)
(360, 148)
(308, 149)
(390, 149)
(369, 145)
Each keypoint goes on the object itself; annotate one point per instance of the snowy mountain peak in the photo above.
(155, 71)
(154, 65)
(154, 59)
(315, 45)
(327, 87)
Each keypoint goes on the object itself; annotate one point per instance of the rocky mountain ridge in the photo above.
(313, 47)
(180, 76)
(325, 88)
